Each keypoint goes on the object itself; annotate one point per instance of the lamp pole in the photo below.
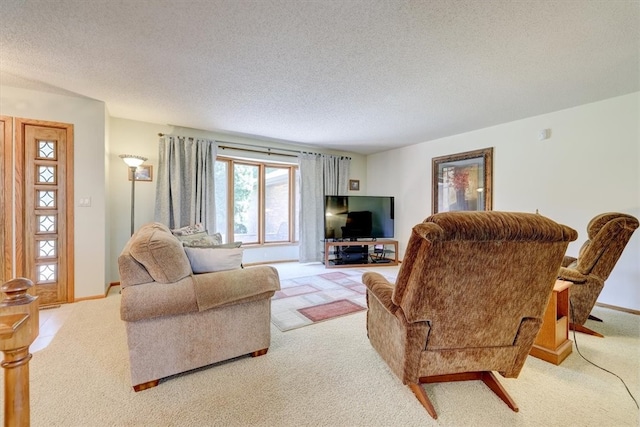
(133, 162)
(133, 196)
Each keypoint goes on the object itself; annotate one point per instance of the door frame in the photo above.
(6, 214)
(19, 190)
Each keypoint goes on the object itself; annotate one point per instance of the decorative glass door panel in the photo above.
(48, 203)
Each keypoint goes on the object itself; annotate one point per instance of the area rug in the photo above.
(330, 310)
(307, 300)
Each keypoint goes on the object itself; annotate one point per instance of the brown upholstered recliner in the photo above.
(607, 235)
(468, 300)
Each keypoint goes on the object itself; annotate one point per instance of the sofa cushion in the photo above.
(162, 255)
(207, 260)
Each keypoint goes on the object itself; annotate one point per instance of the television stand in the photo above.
(360, 253)
(380, 261)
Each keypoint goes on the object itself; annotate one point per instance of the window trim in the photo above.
(262, 166)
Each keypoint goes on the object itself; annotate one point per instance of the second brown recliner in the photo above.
(607, 236)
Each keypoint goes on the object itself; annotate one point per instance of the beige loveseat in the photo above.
(176, 320)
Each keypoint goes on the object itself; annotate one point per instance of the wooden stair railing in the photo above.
(19, 327)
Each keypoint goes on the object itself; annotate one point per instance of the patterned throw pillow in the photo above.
(188, 230)
(203, 241)
(192, 237)
(206, 243)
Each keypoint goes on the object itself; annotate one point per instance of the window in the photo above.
(277, 204)
(256, 202)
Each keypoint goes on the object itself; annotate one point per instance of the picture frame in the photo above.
(143, 173)
(354, 184)
(463, 181)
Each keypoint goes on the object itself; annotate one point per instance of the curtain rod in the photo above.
(261, 149)
(255, 151)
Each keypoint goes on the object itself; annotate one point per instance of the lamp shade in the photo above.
(133, 161)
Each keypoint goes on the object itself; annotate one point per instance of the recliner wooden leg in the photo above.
(491, 381)
(144, 386)
(421, 394)
(584, 330)
(486, 377)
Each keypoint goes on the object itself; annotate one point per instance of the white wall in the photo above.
(141, 138)
(588, 166)
(88, 118)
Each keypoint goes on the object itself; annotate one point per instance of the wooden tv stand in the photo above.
(336, 253)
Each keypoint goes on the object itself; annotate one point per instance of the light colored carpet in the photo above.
(326, 374)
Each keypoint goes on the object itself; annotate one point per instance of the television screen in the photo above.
(358, 217)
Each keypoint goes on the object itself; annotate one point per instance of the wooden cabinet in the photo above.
(359, 253)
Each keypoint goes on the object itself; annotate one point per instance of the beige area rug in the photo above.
(307, 300)
(325, 375)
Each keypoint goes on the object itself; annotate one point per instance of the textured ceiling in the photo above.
(361, 76)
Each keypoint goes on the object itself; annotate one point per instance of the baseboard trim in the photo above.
(89, 298)
(615, 307)
(250, 264)
(112, 284)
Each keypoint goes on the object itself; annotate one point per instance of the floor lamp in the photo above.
(133, 162)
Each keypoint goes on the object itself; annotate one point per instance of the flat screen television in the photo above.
(358, 217)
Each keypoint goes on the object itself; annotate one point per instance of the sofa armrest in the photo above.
(381, 289)
(153, 299)
(571, 275)
(234, 286)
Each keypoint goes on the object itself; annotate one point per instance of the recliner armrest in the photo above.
(567, 260)
(381, 289)
(571, 275)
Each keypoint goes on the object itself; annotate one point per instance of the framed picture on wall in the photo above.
(463, 181)
(143, 173)
(354, 184)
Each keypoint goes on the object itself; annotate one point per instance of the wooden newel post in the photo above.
(19, 327)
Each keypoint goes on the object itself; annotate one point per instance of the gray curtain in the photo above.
(320, 175)
(184, 192)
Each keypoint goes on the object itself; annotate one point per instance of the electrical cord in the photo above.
(599, 367)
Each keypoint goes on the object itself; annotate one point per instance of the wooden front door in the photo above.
(44, 208)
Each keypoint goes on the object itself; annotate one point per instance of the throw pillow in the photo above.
(191, 237)
(228, 245)
(205, 241)
(208, 242)
(207, 260)
(188, 230)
